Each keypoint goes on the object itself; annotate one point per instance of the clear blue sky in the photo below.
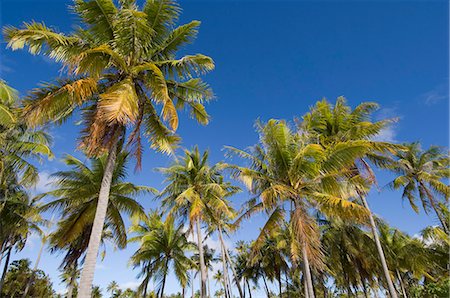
(274, 59)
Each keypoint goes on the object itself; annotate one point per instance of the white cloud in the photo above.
(130, 284)
(435, 95)
(388, 134)
(44, 183)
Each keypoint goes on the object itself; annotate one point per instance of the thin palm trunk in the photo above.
(72, 281)
(5, 268)
(305, 285)
(249, 289)
(164, 278)
(202, 261)
(400, 280)
(387, 276)
(193, 279)
(280, 284)
(87, 274)
(30, 280)
(236, 278)
(225, 273)
(306, 268)
(265, 286)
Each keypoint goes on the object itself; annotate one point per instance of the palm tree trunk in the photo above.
(391, 288)
(87, 274)
(236, 279)
(72, 281)
(249, 289)
(305, 286)
(30, 280)
(225, 273)
(164, 278)
(202, 261)
(265, 286)
(5, 268)
(400, 280)
(280, 284)
(306, 268)
(193, 278)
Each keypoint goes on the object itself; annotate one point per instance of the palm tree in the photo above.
(329, 125)
(285, 167)
(195, 189)
(8, 98)
(113, 288)
(76, 193)
(69, 277)
(162, 245)
(420, 175)
(122, 65)
(221, 223)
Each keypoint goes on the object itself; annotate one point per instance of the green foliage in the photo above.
(17, 277)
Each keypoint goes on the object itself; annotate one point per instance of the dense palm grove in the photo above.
(310, 177)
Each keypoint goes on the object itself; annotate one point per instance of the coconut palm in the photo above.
(195, 189)
(222, 224)
(19, 217)
(420, 175)
(121, 66)
(285, 168)
(163, 245)
(8, 98)
(328, 125)
(76, 193)
(113, 288)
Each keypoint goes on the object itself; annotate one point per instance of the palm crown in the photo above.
(122, 65)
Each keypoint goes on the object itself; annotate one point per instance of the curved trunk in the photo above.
(164, 278)
(87, 274)
(308, 278)
(265, 286)
(225, 273)
(387, 276)
(31, 279)
(236, 279)
(279, 284)
(400, 280)
(5, 268)
(72, 281)
(202, 261)
(249, 289)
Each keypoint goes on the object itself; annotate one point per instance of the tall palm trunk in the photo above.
(308, 278)
(164, 278)
(400, 280)
(280, 284)
(236, 278)
(5, 268)
(87, 273)
(387, 276)
(202, 261)
(73, 280)
(192, 282)
(249, 289)
(265, 286)
(225, 273)
(31, 279)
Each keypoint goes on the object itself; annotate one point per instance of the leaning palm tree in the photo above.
(328, 125)
(76, 193)
(163, 245)
(195, 189)
(121, 67)
(420, 175)
(286, 168)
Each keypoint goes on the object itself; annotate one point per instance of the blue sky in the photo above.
(274, 59)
